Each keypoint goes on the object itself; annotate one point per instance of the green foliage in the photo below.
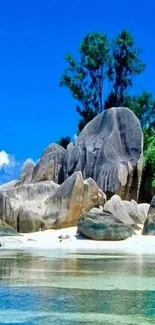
(85, 79)
(149, 152)
(118, 62)
(64, 141)
(124, 65)
(143, 106)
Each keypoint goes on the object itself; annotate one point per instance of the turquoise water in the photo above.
(52, 288)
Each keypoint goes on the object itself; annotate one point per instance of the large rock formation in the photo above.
(109, 150)
(103, 226)
(33, 207)
(49, 164)
(126, 211)
(23, 206)
(26, 173)
(106, 157)
(73, 198)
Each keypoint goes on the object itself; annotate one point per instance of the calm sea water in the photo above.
(51, 288)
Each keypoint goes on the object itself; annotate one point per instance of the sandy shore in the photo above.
(49, 239)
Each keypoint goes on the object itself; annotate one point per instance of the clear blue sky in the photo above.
(34, 37)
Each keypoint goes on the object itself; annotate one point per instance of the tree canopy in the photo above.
(101, 62)
(85, 78)
(124, 64)
(143, 106)
(114, 63)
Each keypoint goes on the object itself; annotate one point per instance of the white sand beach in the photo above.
(49, 240)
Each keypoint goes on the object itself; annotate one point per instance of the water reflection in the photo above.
(26, 266)
(39, 290)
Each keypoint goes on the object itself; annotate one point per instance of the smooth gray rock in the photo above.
(144, 208)
(8, 185)
(109, 150)
(103, 226)
(23, 206)
(127, 211)
(149, 226)
(26, 173)
(71, 199)
(49, 164)
(64, 237)
(39, 206)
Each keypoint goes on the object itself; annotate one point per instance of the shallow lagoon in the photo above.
(55, 288)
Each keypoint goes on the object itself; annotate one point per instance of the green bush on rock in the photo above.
(149, 154)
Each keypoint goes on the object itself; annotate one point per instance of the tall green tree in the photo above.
(85, 79)
(124, 65)
(117, 62)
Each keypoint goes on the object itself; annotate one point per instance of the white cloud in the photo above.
(4, 159)
(9, 167)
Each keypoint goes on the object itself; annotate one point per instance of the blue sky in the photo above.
(34, 37)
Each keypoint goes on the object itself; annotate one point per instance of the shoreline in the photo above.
(49, 240)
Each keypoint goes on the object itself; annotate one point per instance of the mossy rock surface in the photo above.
(103, 226)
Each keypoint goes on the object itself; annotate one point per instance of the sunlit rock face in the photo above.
(39, 206)
(105, 159)
(109, 150)
(48, 166)
(23, 206)
(128, 212)
(26, 172)
(71, 199)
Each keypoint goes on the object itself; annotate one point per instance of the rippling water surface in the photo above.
(52, 288)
